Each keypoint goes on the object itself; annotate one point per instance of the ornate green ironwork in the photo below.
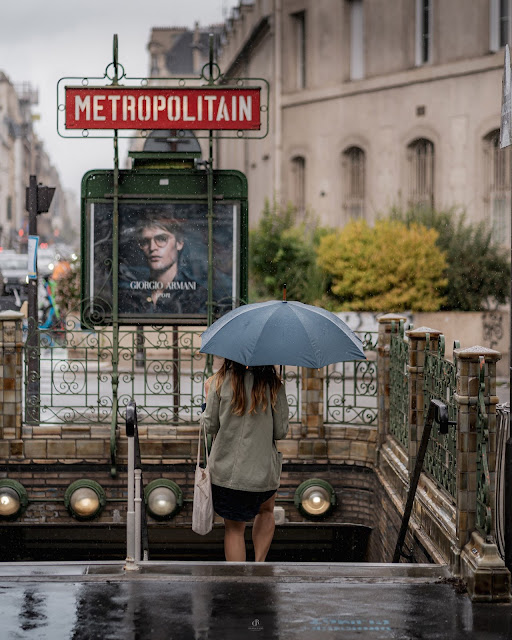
(293, 380)
(399, 385)
(483, 489)
(115, 74)
(351, 387)
(162, 370)
(440, 383)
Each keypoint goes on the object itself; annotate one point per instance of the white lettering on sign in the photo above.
(222, 113)
(196, 109)
(245, 108)
(97, 107)
(159, 105)
(185, 110)
(177, 108)
(114, 100)
(209, 100)
(83, 105)
(144, 108)
(128, 106)
(173, 113)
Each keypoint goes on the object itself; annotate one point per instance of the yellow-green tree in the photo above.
(386, 267)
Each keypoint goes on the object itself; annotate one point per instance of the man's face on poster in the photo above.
(160, 247)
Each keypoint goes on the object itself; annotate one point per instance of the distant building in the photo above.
(22, 154)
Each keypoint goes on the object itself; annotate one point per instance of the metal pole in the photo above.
(33, 365)
(414, 482)
(209, 176)
(138, 522)
(115, 289)
(130, 507)
(508, 503)
(508, 445)
(176, 391)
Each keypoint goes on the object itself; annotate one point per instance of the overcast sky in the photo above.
(42, 41)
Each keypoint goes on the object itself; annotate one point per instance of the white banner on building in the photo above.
(506, 104)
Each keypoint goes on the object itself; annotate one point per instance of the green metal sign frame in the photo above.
(145, 188)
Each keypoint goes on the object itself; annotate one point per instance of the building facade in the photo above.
(23, 154)
(374, 104)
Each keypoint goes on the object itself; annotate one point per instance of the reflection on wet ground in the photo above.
(236, 601)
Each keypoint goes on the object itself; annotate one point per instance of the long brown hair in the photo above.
(263, 376)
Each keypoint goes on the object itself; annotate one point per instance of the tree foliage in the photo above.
(67, 294)
(282, 251)
(478, 271)
(390, 266)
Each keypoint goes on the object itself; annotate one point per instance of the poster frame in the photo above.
(149, 186)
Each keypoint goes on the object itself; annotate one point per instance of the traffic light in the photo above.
(44, 197)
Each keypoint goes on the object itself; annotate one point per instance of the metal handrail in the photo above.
(137, 540)
(502, 435)
(437, 411)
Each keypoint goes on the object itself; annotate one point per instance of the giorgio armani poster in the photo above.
(163, 259)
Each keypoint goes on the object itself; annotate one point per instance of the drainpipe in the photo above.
(278, 83)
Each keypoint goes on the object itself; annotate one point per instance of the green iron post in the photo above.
(115, 287)
(209, 358)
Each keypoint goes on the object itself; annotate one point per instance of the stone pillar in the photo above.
(383, 356)
(313, 443)
(480, 564)
(416, 367)
(11, 377)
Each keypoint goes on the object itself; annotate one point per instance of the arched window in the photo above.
(298, 183)
(354, 179)
(497, 187)
(420, 161)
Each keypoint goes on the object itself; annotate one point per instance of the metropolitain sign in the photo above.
(161, 108)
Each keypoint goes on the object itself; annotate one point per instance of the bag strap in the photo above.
(202, 432)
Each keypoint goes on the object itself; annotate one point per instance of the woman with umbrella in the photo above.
(247, 410)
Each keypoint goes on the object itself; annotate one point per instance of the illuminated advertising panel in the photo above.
(162, 259)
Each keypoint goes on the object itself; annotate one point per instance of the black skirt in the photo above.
(238, 505)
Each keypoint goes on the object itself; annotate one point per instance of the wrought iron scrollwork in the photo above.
(399, 385)
(440, 383)
(483, 489)
(351, 387)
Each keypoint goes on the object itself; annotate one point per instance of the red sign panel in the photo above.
(159, 108)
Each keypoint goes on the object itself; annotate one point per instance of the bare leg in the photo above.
(234, 541)
(263, 529)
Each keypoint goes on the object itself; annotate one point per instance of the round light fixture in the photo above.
(85, 499)
(13, 499)
(164, 499)
(315, 498)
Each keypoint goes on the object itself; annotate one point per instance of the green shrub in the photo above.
(478, 271)
(386, 267)
(282, 251)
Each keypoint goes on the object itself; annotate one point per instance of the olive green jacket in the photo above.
(244, 455)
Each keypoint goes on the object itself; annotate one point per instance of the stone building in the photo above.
(22, 154)
(374, 104)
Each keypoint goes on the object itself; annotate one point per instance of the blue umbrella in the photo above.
(286, 333)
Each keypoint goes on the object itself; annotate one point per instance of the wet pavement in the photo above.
(232, 601)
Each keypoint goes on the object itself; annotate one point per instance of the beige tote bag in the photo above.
(202, 512)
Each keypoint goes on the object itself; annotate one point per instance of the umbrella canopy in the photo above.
(287, 333)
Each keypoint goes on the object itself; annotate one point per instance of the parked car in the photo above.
(14, 268)
(46, 261)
